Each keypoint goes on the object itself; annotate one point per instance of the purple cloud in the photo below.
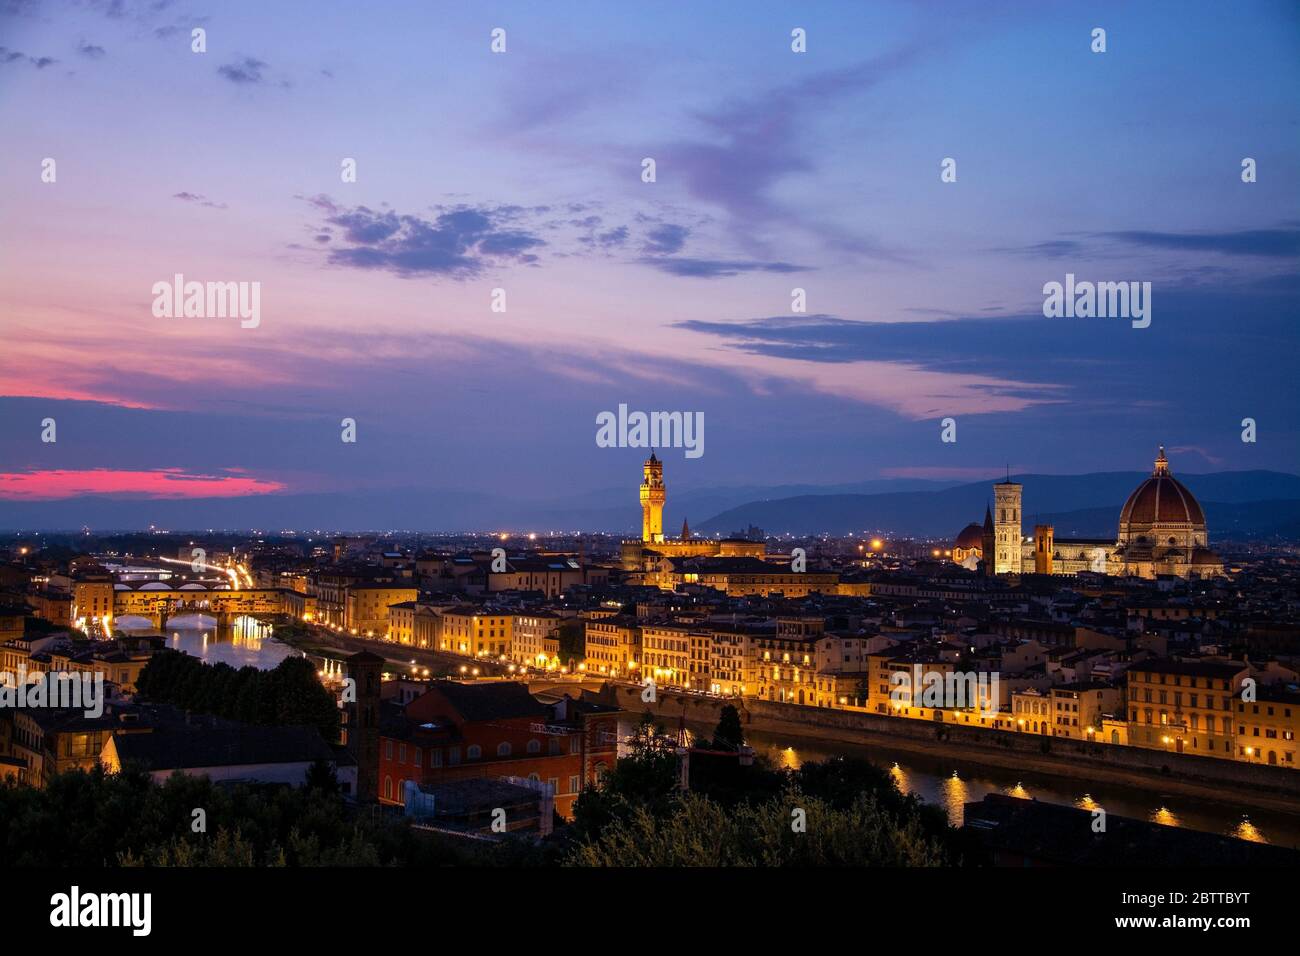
(715, 268)
(245, 71)
(460, 242)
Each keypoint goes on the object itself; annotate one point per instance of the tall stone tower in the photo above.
(652, 500)
(361, 733)
(1006, 526)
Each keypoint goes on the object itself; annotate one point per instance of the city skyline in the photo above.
(522, 171)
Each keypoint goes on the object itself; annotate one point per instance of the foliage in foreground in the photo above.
(94, 818)
(834, 813)
(702, 832)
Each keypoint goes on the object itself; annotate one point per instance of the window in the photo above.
(534, 746)
(473, 752)
(388, 750)
(573, 784)
(388, 788)
(503, 749)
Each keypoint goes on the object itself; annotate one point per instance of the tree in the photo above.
(322, 776)
(95, 818)
(788, 831)
(289, 695)
(729, 732)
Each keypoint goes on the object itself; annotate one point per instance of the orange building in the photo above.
(496, 729)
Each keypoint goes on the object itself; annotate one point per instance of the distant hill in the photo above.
(414, 509)
(1249, 502)
(1086, 505)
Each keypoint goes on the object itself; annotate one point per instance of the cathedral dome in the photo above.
(972, 536)
(1161, 500)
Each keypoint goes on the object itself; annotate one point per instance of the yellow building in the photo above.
(783, 665)
(13, 622)
(728, 650)
(401, 622)
(535, 639)
(666, 653)
(52, 741)
(1079, 709)
(612, 644)
(1184, 706)
(53, 606)
(1031, 711)
(426, 626)
(1267, 727)
(92, 598)
(741, 577)
(479, 632)
(367, 604)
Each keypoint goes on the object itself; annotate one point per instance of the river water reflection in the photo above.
(951, 784)
(244, 642)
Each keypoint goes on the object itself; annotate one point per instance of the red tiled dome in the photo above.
(972, 536)
(1162, 499)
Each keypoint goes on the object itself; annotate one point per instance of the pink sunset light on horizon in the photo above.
(158, 483)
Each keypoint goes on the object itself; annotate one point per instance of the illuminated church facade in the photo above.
(1162, 531)
(645, 554)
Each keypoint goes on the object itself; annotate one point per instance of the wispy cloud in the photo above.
(459, 242)
(1279, 242)
(17, 56)
(749, 145)
(245, 71)
(199, 199)
(715, 268)
(1243, 242)
(665, 239)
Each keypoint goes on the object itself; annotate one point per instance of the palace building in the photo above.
(646, 553)
(1161, 532)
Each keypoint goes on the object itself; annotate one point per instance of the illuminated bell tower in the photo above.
(1006, 526)
(652, 501)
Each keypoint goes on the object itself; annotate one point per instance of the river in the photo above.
(951, 784)
(245, 642)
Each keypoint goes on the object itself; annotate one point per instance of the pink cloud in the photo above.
(159, 483)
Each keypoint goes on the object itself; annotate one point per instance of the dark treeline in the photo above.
(290, 694)
(93, 818)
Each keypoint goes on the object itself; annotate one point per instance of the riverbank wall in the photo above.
(1255, 785)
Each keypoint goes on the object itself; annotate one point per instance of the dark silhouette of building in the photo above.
(363, 722)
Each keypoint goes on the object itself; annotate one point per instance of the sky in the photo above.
(522, 171)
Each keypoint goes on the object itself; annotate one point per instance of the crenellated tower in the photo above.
(652, 501)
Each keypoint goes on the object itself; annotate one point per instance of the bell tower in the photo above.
(652, 500)
(1006, 526)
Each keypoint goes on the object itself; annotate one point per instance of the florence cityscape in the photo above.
(517, 440)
